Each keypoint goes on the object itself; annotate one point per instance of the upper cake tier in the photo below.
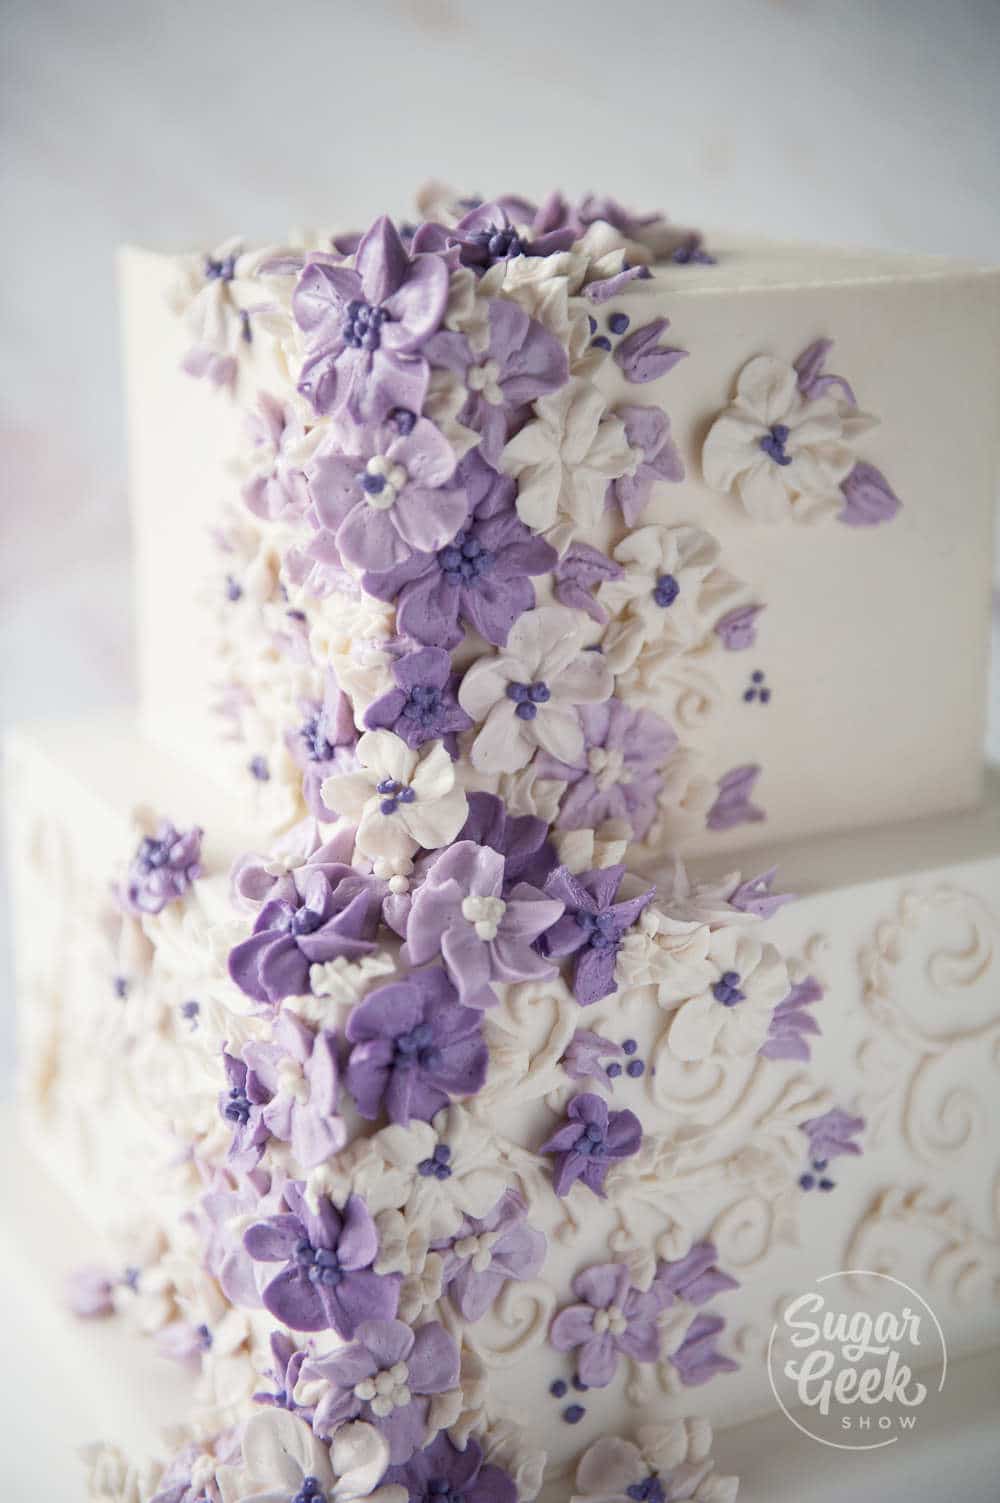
(688, 460)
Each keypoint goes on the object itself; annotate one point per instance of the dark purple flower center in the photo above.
(527, 698)
(498, 241)
(437, 1166)
(417, 1048)
(363, 325)
(666, 591)
(394, 794)
(309, 1492)
(403, 420)
(220, 271)
(441, 1491)
(153, 854)
(650, 1490)
(237, 1108)
(313, 733)
(120, 987)
(423, 704)
(322, 1263)
(773, 444)
(602, 929)
(465, 559)
(727, 989)
(591, 1141)
(234, 589)
(304, 921)
(190, 1011)
(258, 769)
(204, 1336)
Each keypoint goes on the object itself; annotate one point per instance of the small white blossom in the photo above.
(732, 1014)
(665, 594)
(402, 800)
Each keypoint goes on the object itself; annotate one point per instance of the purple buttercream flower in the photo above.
(223, 1212)
(868, 497)
(732, 805)
(697, 1359)
(254, 880)
(832, 1134)
(813, 381)
(576, 574)
(287, 1360)
(791, 1025)
(387, 1377)
(612, 1320)
(276, 490)
(484, 1254)
(327, 1282)
(298, 1068)
(415, 1048)
(487, 234)
(585, 1055)
(737, 629)
(441, 1473)
(162, 869)
(365, 327)
(482, 578)
(332, 910)
(592, 927)
(642, 358)
(620, 772)
(756, 896)
(521, 839)
(396, 498)
(522, 361)
(424, 705)
(323, 744)
(242, 1105)
(693, 1278)
(590, 1141)
(647, 430)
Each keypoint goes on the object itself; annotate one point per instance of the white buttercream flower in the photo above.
(782, 455)
(111, 1478)
(402, 800)
(563, 460)
(662, 596)
(667, 953)
(675, 1454)
(526, 696)
(732, 1014)
(280, 1452)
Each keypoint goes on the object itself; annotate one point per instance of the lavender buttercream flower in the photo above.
(395, 499)
(327, 1282)
(695, 1278)
(647, 431)
(585, 1055)
(484, 1254)
(365, 326)
(423, 706)
(592, 926)
(697, 1359)
(323, 743)
(442, 1472)
(576, 574)
(298, 1068)
(481, 578)
(162, 869)
(386, 1376)
(483, 937)
(791, 1026)
(612, 1320)
(589, 1142)
(619, 774)
(276, 490)
(332, 911)
(242, 1105)
(487, 234)
(521, 839)
(414, 1048)
(833, 1134)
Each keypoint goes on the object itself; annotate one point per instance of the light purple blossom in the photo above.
(647, 429)
(414, 1048)
(732, 805)
(579, 570)
(833, 1134)
(223, 1212)
(332, 910)
(813, 381)
(756, 896)
(868, 497)
(255, 881)
(697, 1359)
(441, 1471)
(276, 490)
(323, 744)
(298, 1068)
(695, 1278)
(482, 579)
(640, 356)
(521, 839)
(242, 1105)
(396, 498)
(591, 927)
(287, 1358)
(589, 1142)
(522, 361)
(419, 1364)
(619, 775)
(459, 913)
(585, 1055)
(612, 1320)
(327, 1282)
(424, 705)
(791, 1026)
(162, 869)
(737, 629)
(487, 234)
(485, 1254)
(365, 327)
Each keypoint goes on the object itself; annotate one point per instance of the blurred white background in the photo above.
(860, 121)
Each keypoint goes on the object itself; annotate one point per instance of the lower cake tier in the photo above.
(893, 1022)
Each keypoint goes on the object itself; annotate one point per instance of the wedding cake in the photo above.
(543, 912)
